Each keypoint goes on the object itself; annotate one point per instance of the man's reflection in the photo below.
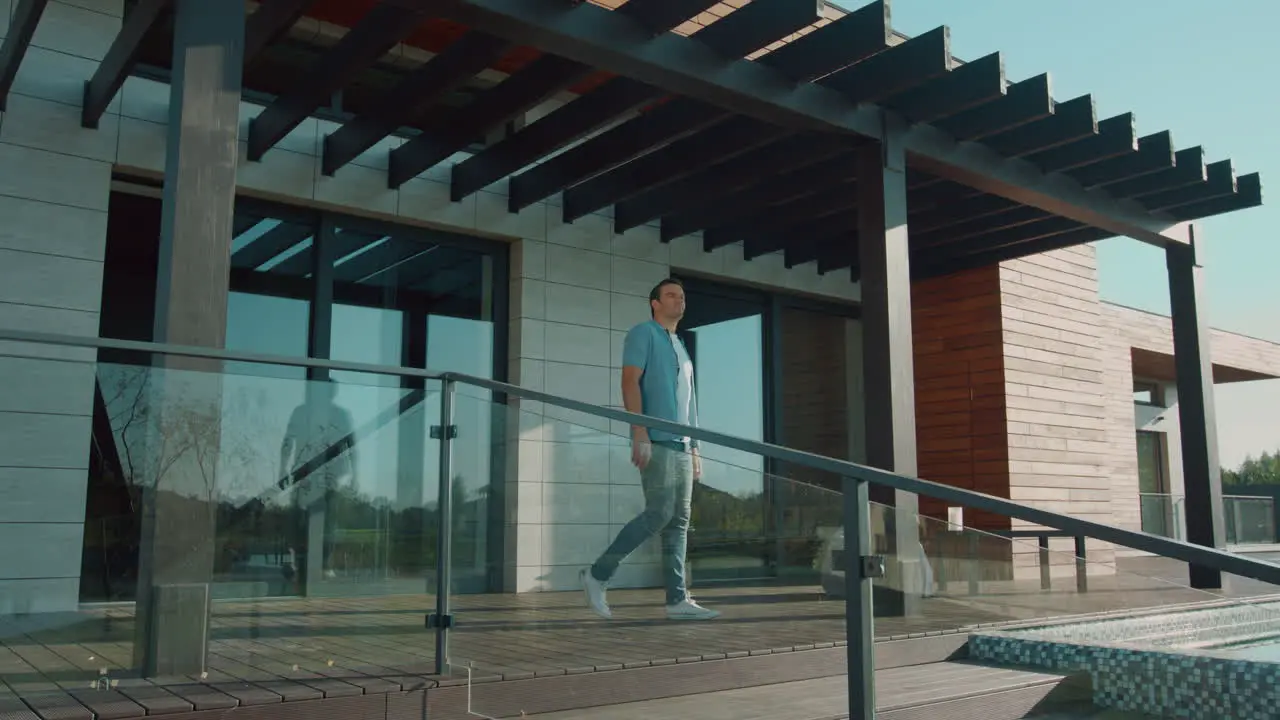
(317, 459)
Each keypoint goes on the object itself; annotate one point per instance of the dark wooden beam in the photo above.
(120, 59)
(852, 38)
(659, 16)
(684, 66)
(1220, 181)
(561, 128)
(580, 118)
(959, 212)
(373, 36)
(1248, 195)
(776, 219)
(1013, 217)
(1116, 136)
(1197, 418)
(533, 84)
(758, 24)
(799, 250)
(926, 266)
(834, 255)
(802, 242)
(971, 84)
(1073, 120)
(655, 128)
(996, 239)
(177, 537)
(895, 70)
(1189, 169)
(680, 159)
(847, 40)
(269, 23)
(720, 180)
(22, 27)
(742, 31)
(1155, 153)
(772, 191)
(1025, 102)
(417, 93)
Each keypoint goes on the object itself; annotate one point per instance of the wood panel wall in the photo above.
(960, 390)
(1059, 457)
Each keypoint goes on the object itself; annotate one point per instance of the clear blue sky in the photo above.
(1208, 72)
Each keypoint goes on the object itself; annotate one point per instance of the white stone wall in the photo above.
(54, 186)
(575, 289)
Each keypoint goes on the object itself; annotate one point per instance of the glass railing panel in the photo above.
(1250, 520)
(575, 503)
(301, 512)
(959, 577)
(1162, 515)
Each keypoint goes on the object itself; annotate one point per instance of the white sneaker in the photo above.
(688, 609)
(595, 592)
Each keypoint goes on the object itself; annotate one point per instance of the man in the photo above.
(657, 380)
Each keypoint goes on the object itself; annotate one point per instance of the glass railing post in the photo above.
(1082, 568)
(859, 570)
(442, 621)
(1046, 579)
(974, 563)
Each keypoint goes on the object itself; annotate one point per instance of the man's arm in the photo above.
(631, 399)
(635, 358)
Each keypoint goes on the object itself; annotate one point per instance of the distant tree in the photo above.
(1263, 470)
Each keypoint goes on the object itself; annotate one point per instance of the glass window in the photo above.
(1146, 393)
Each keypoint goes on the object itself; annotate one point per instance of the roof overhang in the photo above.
(736, 121)
(1149, 336)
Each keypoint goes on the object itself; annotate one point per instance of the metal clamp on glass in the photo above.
(437, 431)
(439, 621)
(872, 567)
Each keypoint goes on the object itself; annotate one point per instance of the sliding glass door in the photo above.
(327, 482)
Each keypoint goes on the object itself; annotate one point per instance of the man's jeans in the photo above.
(668, 493)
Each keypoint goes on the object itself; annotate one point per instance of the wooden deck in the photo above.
(897, 688)
(277, 650)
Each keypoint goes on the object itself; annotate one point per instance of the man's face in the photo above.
(670, 303)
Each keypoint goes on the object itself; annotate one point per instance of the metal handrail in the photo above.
(1219, 560)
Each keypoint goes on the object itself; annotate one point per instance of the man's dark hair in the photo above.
(656, 293)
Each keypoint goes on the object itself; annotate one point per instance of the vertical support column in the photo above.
(179, 514)
(888, 363)
(1197, 421)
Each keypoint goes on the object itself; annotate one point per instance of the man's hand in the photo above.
(641, 449)
(697, 464)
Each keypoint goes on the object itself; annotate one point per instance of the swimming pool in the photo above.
(1265, 652)
(1218, 659)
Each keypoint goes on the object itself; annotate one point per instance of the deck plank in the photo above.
(824, 697)
(155, 699)
(108, 704)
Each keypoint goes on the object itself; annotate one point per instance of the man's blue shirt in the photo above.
(651, 348)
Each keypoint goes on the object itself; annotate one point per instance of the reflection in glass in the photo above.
(730, 504)
(466, 346)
